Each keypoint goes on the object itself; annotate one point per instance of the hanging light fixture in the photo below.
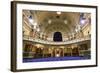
(35, 26)
(31, 19)
(65, 21)
(76, 30)
(38, 29)
(82, 21)
(58, 12)
(49, 21)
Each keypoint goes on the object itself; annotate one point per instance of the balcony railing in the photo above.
(27, 38)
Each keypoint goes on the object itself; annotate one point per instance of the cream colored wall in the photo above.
(26, 24)
(87, 28)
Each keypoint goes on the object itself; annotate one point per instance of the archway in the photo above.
(57, 37)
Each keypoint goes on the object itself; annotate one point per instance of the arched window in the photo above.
(57, 37)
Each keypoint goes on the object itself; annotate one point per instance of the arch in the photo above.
(57, 37)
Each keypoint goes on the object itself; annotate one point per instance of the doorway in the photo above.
(57, 37)
(75, 52)
(58, 52)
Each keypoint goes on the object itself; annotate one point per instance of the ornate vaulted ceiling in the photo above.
(51, 21)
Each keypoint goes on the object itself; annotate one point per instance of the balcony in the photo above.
(27, 38)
